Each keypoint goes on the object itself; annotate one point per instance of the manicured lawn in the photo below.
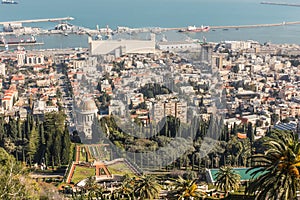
(95, 152)
(99, 152)
(120, 169)
(82, 154)
(82, 173)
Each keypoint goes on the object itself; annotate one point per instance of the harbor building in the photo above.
(121, 47)
(177, 45)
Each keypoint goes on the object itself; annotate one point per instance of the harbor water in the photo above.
(160, 13)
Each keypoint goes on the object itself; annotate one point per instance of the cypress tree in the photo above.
(57, 148)
(12, 130)
(33, 143)
(2, 130)
(66, 145)
(250, 134)
(41, 144)
(42, 134)
(28, 127)
(19, 128)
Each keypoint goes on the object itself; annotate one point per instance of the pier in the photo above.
(22, 44)
(20, 30)
(39, 20)
(158, 29)
(280, 4)
(242, 26)
(256, 25)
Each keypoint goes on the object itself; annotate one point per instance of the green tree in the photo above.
(14, 183)
(126, 189)
(250, 133)
(92, 189)
(274, 118)
(19, 128)
(227, 180)
(58, 93)
(2, 130)
(54, 125)
(12, 129)
(146, 187)
(66, 145)
(186, 189)
(234, 148)
(33, 143)
(276, 170)
(57, 148)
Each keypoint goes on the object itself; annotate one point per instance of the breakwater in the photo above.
(280, 3)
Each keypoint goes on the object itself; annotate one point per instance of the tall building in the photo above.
(2, 69)
(217, 61)
(206, 54)
(175, 108)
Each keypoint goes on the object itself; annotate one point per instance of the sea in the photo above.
(160, 13)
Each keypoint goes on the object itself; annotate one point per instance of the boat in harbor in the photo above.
(15, 41)
(195, 29)
(9, 2)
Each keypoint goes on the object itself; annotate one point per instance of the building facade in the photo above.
(121, 47)
(86, 112)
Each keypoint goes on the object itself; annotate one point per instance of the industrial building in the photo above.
(121, 47)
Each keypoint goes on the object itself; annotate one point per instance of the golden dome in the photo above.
(88, 105)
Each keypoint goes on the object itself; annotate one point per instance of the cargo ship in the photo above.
(9, 2)
(195, 29)
(17, 40)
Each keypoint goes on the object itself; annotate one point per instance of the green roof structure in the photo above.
(211, 174)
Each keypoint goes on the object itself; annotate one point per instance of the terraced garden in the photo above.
(120, 168)
(82, 172)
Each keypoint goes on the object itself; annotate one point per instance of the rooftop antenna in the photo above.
(164, 38)
(107, 30)
(108, 36)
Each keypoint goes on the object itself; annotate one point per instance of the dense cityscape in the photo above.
(147, 118)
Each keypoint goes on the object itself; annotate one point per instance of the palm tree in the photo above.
(227, 180)
(92, 189)
(146, 187)
(245, 152)
(186, 189)
(276, 172)
(126, 189)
